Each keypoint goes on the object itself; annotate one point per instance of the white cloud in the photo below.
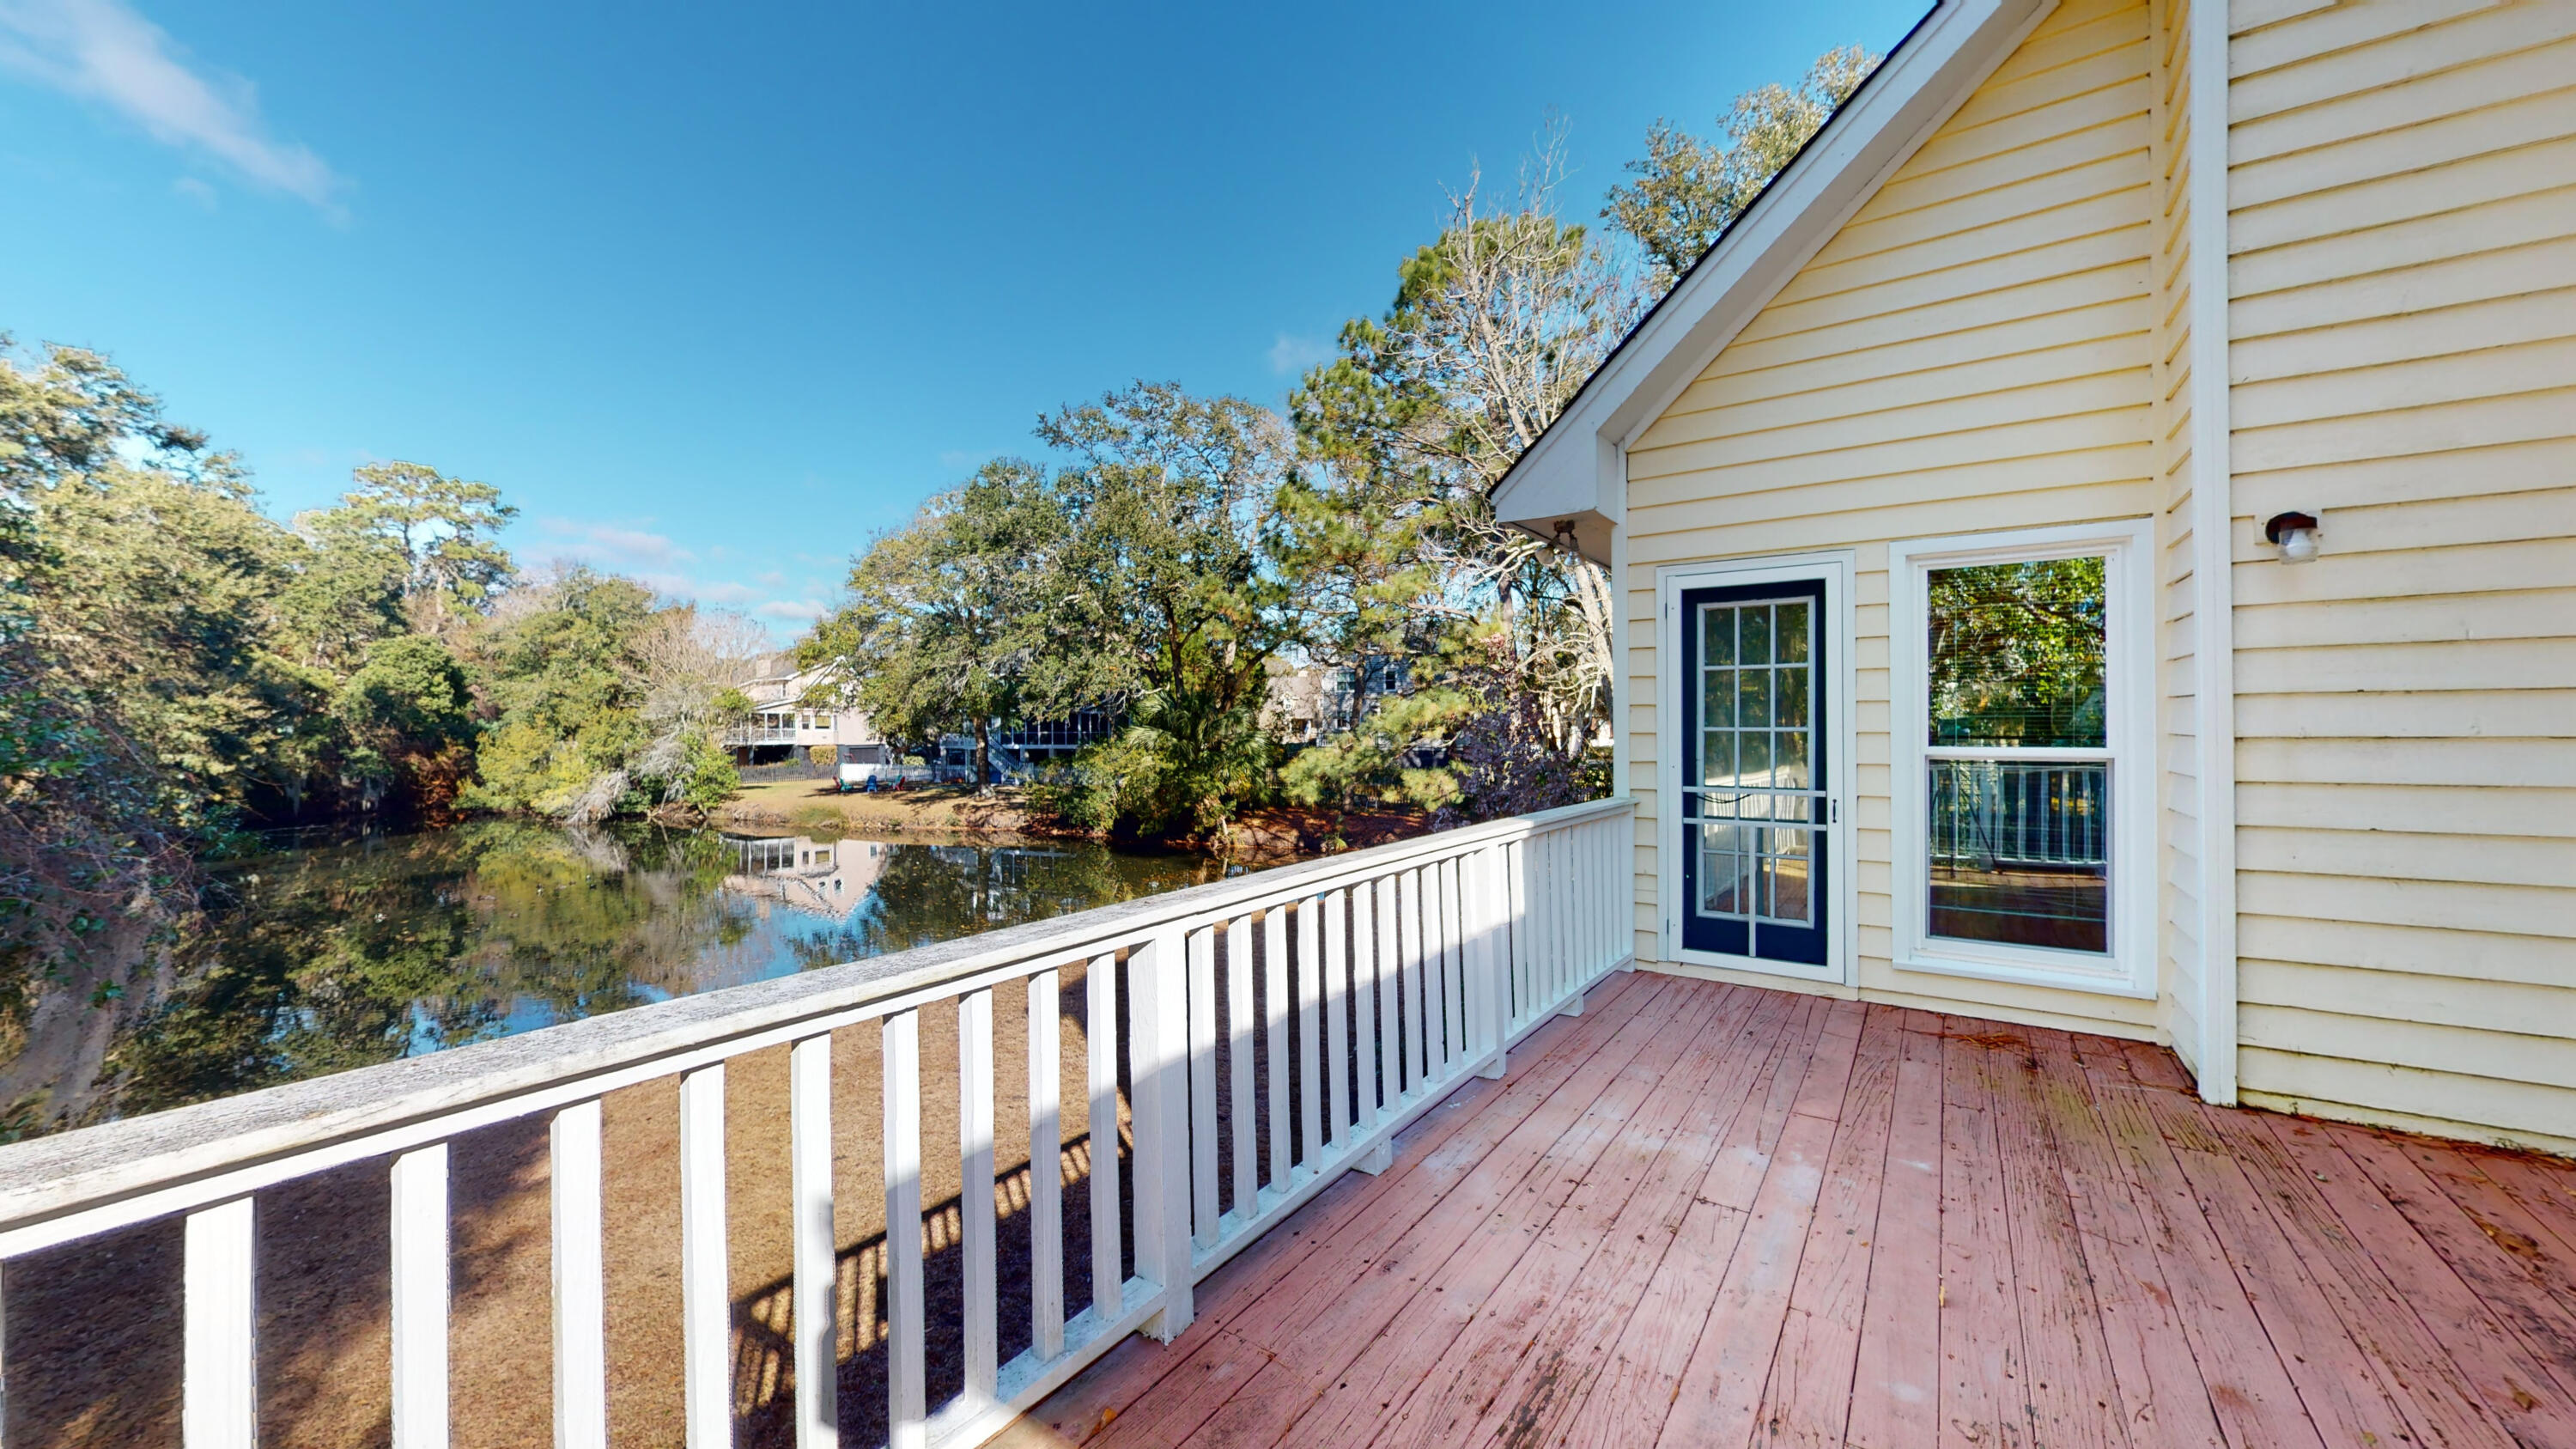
(612, 544)
(196, 191)
(793, 611)
(102, 50)
(1290, 356)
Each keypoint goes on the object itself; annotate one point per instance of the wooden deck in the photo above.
(1710, 1216)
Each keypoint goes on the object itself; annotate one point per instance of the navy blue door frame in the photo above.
(1758, 779)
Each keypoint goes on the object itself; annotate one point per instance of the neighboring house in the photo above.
(1020, 752)
(782, 723)
(1304, 702)
(828, 877)
(1307, 702)
(1963, 668)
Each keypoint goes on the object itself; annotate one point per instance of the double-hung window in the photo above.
(2024, 756)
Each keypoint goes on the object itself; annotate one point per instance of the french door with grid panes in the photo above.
(1758, 780)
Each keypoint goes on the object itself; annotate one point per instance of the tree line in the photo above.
(176, 667)
(1167, 552)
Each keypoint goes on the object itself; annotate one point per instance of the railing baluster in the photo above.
(706, 1285)
(1435, 971)
(1489, 892)
(1366, 997)
(1202, 1060)
(1408, 938)
(1238, 1023)
(1100, 983)
(1046, 1169)
(1557, 940)
(420, 1298)
(1597, 873)
(1534, 925)
(580, 1291)
(1160, 1064)
(817, 1266)
(1621, 890)
(1453, 960)
(1595, 901)
(906, 1328)
(1578, 915)
(1334, 926)
(1584, 873)
(982, 1290)
(1390, 1024)
(1516, 880)
(1274, 977)
(1310, 1018)
(219, 1399)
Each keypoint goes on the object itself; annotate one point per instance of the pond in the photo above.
(338, 953)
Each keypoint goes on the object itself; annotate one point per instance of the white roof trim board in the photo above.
(1575, 473)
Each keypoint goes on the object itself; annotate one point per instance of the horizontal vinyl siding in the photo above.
(1975, 350)
(2403, 363)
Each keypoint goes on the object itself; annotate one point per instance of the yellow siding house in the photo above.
(2099, 548)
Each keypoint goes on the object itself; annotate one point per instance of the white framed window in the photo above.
(2022, 711)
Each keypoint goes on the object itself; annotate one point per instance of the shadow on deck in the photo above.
(1708, 1215)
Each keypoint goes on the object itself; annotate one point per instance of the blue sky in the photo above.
(716, 293)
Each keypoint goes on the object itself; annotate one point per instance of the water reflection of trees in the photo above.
(932, 893)
(351, 954)
(341, 955)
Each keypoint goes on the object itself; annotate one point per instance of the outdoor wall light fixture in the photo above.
(2294, 534)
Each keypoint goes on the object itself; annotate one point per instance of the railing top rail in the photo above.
(51, 1176)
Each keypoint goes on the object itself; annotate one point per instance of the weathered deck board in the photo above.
(1704, 1214)
(1984, 1398)
(2074, 1394)
(1896, 1395)
(1435, 1302)
(1567, 1351)
(1808, 1400)
(1484, 1357)
(2162, 1398)
(1629, 1401)
(2249, 1393)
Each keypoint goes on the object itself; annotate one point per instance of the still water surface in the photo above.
(334, 955)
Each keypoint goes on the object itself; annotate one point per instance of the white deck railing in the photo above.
(1402, 969)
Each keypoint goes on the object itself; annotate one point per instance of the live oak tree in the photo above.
(947, 622)
(1170, 599)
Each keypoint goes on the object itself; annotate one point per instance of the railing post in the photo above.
(1159, 1056)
